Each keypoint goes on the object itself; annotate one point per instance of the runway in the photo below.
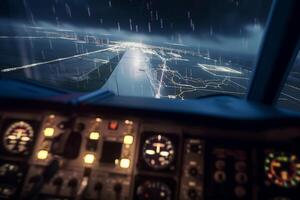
(81, 62)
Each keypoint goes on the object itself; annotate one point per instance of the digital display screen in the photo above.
(110, 152)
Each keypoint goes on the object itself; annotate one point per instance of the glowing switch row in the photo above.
(89, 158)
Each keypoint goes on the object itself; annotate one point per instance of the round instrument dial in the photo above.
(154, 190)
(283, 169)
(11, 176)
(18, 138)
(158, 152)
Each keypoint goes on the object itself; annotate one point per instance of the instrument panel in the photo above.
(94, 157)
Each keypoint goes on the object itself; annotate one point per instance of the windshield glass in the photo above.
(290, 94)
(152, 48)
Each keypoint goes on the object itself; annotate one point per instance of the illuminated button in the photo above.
(48, 132)
(124, 163)
(113, 125)
(98, 119)
(89, 158)
(42, 154)
(128, 122)
(192, 184)
(94, 136)
(128, 139)
(52, 116)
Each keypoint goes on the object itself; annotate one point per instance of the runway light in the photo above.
(124, 163)
(216, 68)
(42, 154)
(48, 132)
(94, 136)
(89, 158)
(128, 139)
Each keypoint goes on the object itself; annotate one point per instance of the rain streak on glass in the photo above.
(162, 49)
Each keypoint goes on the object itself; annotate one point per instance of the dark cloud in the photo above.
(193, 17)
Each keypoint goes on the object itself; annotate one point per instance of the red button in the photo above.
(113, 125)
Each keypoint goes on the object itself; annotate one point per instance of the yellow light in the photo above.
(25, 138)
(48, 132)
(128, 139)
(128, 122)
(98, 119)
(284, 175)
(192, 183)
(124, 163)
(52, 116)
(164, 153)
(150, 152)
(94, 136)
(89, 158)
(42, 154)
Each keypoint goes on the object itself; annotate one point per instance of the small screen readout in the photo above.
(110, 152)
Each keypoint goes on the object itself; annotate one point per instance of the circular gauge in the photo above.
(18, 138)
(11, 175)
(283, 169)
(154, 190)
(158, 152)
(7, 168)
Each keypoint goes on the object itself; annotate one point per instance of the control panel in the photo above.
(95, 156)
(59, 156)
(192, 175)
(229, 175)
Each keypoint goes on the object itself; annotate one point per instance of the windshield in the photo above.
(290, 94)
(151, 48)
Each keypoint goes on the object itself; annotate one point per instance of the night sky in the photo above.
(163, 17)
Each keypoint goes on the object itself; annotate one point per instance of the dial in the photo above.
(154, 190)
(11, 176)
(283, 169)
(18, 138)
(158, 152)
(8, 169)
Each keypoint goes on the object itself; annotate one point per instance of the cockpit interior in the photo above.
(149, 100)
